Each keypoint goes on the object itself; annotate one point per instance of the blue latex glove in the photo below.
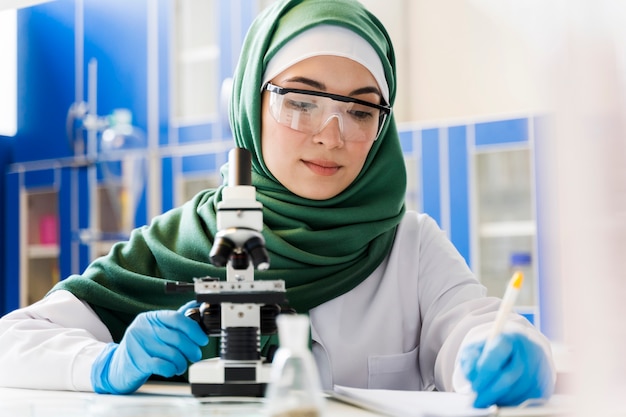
(159, 342)
(510, 370)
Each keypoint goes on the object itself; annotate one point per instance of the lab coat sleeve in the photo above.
(454, 308)
(51, 344)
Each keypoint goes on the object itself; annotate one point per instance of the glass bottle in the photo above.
(294, 389)
(522, 261)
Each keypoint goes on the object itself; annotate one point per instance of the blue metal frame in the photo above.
(5, 157)
(11, 290)
(431, 177)
(459, 190)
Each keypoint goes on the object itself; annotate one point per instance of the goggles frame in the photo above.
(384, 110)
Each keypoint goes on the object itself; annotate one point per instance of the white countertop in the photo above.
(175, 400)
(152, 400)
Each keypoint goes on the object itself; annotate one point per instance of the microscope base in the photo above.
(217, 377)
(228, 390)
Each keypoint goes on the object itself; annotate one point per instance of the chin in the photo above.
(318, 195)
(311, 193)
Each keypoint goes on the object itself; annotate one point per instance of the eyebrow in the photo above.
(322, 87)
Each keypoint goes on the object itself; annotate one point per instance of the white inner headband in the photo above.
(328, 40)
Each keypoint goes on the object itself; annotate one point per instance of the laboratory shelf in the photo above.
(511, 228)
(43, 251)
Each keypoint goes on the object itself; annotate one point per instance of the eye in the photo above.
(302, 106)
(361, 114)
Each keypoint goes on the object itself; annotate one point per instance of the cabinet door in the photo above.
(207, 36)
(504, 214)
(505, 221)
(40, 225)
(33, 236)
(45, 82)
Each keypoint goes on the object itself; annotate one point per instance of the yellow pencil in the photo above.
(508, 301)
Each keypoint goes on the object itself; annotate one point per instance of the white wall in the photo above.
(8, 72)
(16, 4)
(458, 59)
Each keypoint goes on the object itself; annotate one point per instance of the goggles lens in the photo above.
(310, 111)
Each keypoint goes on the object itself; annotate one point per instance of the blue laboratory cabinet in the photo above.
(62, 190)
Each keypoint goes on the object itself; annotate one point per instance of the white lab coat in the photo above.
(401, 328)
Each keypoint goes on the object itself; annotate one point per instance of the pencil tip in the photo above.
(518, 278)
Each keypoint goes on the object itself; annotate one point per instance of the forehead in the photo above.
(330, 72)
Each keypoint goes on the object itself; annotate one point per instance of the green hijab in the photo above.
(321, 249)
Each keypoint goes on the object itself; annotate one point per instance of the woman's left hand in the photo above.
(507, 371)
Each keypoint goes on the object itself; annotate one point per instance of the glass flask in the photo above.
(294, 389)
(124, 167)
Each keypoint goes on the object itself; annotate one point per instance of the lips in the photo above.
(321, 167)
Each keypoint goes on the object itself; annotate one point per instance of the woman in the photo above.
(392, 303)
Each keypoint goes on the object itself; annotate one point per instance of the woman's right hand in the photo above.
(161, 342)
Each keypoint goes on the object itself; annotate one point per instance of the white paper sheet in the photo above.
(412, 403)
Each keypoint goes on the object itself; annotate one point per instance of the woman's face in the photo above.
(318, 165)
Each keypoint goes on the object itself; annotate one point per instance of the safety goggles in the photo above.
(310, 111)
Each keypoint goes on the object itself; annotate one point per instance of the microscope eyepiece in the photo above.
(221, 251)
(239, 246)
(255, 246)
(239, 167)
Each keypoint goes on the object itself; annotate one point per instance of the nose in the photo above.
(331, 132)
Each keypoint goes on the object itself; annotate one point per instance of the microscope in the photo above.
(239, 309)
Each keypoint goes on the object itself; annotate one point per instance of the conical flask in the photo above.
(294, 389)
(124, 167)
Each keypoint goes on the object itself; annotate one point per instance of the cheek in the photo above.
(360, 152)
(277, 145)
